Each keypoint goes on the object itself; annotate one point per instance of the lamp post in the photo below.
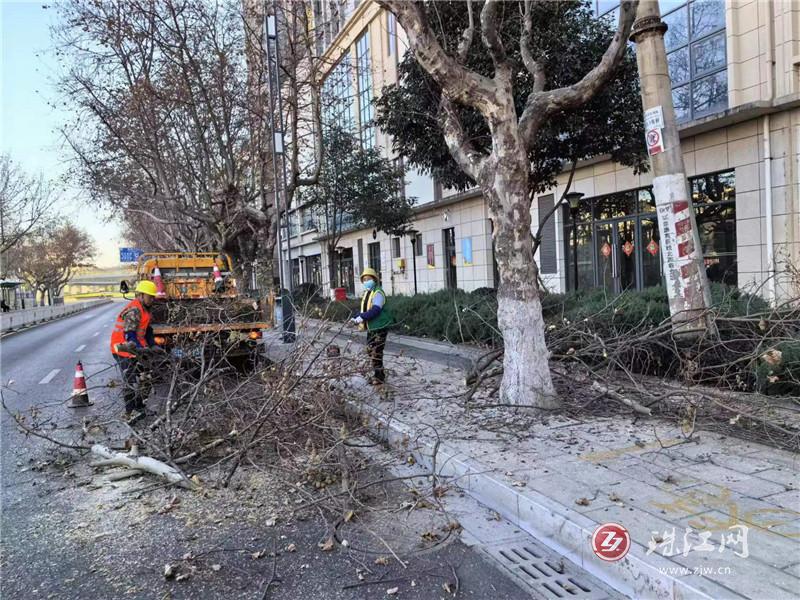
(413, 233)
(574, 199)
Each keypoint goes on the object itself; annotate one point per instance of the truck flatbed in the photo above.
(166, 329)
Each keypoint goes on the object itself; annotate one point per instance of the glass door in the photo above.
(625, 259)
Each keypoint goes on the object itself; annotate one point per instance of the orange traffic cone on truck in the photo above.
(160, 291)
(80, 395)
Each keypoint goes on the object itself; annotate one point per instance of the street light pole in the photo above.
(574, 199)
(276, 124)
(413, 233)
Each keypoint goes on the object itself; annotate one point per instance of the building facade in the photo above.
(735, 68)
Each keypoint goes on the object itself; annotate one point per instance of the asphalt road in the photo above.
(62, 538)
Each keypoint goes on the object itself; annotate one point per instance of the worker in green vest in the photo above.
(376, 319)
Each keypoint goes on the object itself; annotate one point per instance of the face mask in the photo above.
(369, 284)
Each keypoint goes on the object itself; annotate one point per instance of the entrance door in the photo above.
(344, 271)
(616, 254)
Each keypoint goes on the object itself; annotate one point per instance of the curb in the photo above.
(557, 526)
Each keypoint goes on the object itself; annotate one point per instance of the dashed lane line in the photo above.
(49, 377)
(80, 348)
(95, 334)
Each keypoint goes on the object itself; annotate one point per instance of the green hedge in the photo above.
(578, 318)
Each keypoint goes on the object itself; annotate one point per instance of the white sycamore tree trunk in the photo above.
(504, 174)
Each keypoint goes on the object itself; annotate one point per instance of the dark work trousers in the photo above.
(376, 343)
(135, 383)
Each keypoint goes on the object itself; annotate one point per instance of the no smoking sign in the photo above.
(611, 542)
(655, 142)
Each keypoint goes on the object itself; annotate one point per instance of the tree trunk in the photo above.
(331, 266)
(526, 370)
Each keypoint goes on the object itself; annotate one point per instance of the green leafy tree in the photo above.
(357, 187)
(570, 40)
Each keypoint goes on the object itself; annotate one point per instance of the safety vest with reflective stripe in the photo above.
(384, 318)
(118, 335)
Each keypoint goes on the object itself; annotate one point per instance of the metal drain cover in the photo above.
(548, 575)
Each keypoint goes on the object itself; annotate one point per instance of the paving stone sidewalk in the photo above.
(709, 516)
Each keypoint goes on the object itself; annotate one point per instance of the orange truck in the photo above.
(202, 309)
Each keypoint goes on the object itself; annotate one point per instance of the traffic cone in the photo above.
(80, 396)
(160, 291)
(217, 279)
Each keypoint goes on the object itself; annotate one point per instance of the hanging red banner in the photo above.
(627, 248)
(652, 247)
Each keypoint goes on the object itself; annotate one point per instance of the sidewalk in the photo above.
(710, 517)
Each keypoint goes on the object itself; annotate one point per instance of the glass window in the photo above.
(678, 63)
(710, 94)
(418, 244)
(677, 28)
(391, 30)
(337, 96)
(709, 54)
(682, 100)
(696, 46)
(396, 247)
(374, 256)
(364, 69)
(707, 16)
(615, 205)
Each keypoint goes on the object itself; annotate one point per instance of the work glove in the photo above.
(357, 320)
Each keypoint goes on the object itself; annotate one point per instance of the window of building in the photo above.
(418, 244)
(618, 243)
(364, 74)
(696, 53)
(374, 256)
(337, 96)
(391, 30)
(396, 247)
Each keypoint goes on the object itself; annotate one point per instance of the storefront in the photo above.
(618, 242)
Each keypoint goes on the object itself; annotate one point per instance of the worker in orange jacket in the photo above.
(131, 335)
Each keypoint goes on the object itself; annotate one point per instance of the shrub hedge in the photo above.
(462, 317)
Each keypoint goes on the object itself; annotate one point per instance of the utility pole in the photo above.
(682, 255)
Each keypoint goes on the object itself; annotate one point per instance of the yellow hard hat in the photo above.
(146, 287)
(371, 272)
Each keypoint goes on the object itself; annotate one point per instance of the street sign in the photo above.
(655, 143)
(653, 118)
(129, 255)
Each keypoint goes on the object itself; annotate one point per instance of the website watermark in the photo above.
(701, 571)
(668, 544)
(612, 541)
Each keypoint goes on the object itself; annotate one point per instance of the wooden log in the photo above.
(141, 463)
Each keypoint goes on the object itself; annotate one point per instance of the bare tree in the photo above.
(24, 203)
(47, 258)
(164, 133)
(504, 174)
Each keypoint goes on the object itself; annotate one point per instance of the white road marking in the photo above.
(81, 347)
(95, 334)
(50, 376)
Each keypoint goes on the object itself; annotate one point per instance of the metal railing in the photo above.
(21, 318)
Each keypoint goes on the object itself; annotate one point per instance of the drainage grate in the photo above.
(547, 574)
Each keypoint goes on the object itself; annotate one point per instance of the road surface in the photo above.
(63, 539)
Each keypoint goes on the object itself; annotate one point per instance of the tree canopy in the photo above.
(569, 41)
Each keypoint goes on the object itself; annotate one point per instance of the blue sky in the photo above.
(29, 124)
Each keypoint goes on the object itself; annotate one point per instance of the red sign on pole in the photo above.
(655, 143)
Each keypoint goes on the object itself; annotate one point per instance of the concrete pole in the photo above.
(681, 253)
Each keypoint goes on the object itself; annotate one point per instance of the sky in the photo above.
(29, 127)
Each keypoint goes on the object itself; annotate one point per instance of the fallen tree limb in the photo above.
(141, 463)
(606, 391)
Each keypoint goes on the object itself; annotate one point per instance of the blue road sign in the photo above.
(129, 255)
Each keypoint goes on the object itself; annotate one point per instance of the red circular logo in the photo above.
(611, 541)
(653, 137)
